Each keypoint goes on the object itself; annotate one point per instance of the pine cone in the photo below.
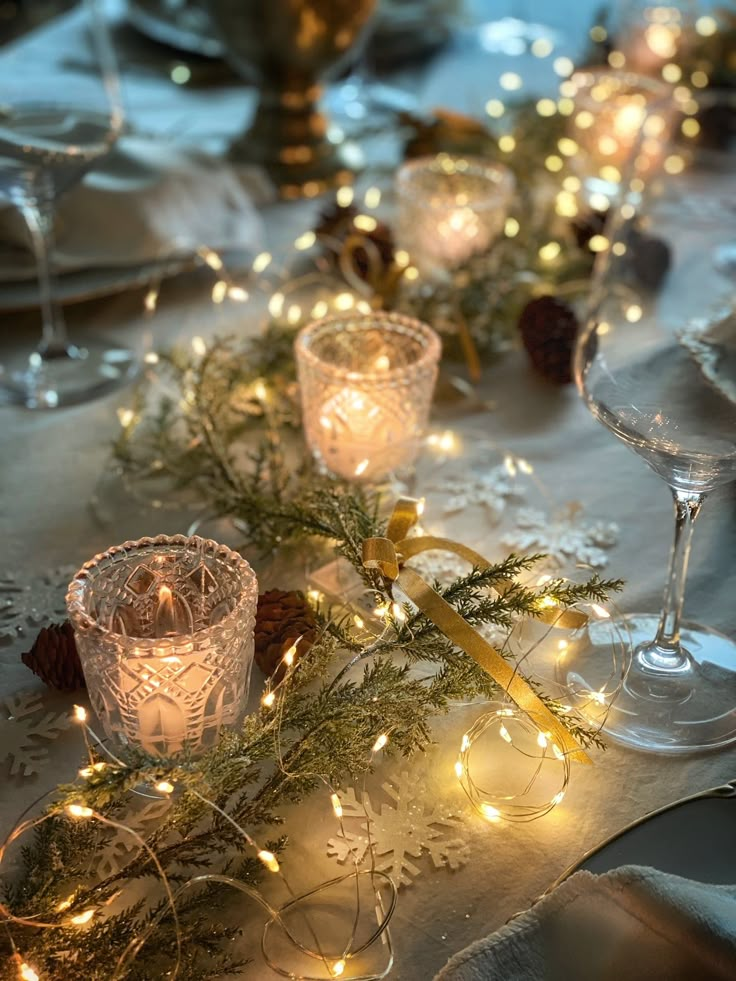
(281, 618)
(336, 222)
(548, 329)
(54, 658)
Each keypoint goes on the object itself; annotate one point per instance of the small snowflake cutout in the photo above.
(489, 489)
(26, 607)
(26, 728)
(402, 831)
(566, 538)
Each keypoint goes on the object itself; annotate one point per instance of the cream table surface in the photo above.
(50, 465)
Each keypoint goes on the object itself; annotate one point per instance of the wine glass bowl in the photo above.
(54, 128)
(656, 365)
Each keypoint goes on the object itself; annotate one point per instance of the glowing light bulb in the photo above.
(268, 699)
(164, 787)
(337, 968)
(290, 655)
(458, 769)
(79, 811)
(398, 613)
(27, 973)
(491, 813)
(380, 743)
(504, 733)
(81, 918)
(269, 860)
(305, 241)
(262, 261)
(541, 740)
(336, 805)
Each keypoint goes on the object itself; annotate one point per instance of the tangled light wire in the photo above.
(335, 965)
(505, 721)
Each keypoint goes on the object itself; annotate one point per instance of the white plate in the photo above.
(90, 283)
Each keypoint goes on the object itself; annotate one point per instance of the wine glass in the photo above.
(54, 127)
(654, 364)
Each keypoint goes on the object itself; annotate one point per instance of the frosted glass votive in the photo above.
(164, 628)
(366, 384)
(450, 208)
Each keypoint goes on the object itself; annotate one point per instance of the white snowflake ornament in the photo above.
(401, 831)
(24, 607)
(490, 489)
(26, 728)
(566, 538)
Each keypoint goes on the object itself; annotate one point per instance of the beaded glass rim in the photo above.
(392, 323)
(82, 620)
(501, 178)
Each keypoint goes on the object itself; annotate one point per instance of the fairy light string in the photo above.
(336, 966)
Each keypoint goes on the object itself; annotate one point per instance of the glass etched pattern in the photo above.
(366, 386)
(164, 628)
(615, 113)
(450, 208)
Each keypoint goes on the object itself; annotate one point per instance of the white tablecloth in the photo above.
(50, 464)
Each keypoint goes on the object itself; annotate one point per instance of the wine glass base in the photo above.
(76, 375)
(656, 711)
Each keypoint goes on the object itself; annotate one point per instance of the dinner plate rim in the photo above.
(723, 791)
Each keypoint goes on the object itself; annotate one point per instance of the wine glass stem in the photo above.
(665, 653)
(38, 214)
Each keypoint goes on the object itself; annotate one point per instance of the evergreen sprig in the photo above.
(215, 432)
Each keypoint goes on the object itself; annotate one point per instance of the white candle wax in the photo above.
(168, 697)
(360, 437)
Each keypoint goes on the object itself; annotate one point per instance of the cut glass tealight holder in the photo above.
(449, 209)
(366, 384)
(616, 113)
(164, 628)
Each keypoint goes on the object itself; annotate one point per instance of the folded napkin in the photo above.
(147, 202)
(632, 924)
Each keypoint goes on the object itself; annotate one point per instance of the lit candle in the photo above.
(362, 437)
(164, 629)
(366, 384)
(616, 111)
(450, 208)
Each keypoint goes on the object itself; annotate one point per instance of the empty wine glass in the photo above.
(54, 126)
(655, 365)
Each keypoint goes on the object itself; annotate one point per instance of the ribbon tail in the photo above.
(461, 633)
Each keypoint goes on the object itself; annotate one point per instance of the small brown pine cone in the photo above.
(281, 619)
(548, 329)
(54, 658)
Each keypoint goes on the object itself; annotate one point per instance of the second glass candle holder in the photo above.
(450, 208)
(366, 384)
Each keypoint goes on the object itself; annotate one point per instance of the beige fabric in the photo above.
(633, 923)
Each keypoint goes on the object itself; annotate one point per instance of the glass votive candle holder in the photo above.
(164, 629)
(450, 208)
(615, 112)
(366, 384)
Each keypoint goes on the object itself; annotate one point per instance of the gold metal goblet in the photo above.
(287, 47)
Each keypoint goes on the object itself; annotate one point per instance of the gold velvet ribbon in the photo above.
(388, 554)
